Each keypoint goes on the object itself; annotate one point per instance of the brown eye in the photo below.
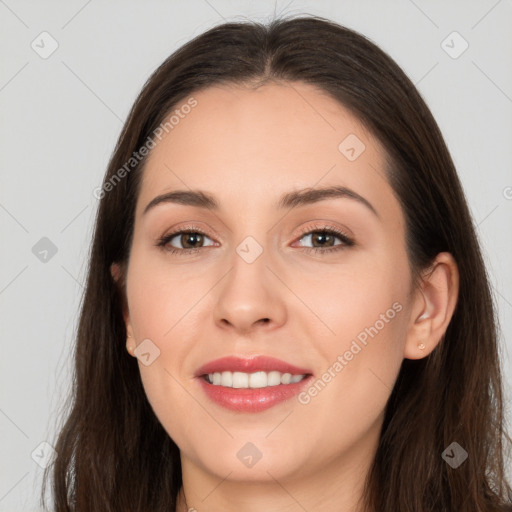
(191, 240)
(185, 240)
(321, 238)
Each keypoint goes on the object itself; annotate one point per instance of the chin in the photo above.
(260, 460)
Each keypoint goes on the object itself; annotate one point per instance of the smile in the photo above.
(252, 384)
(252, 380)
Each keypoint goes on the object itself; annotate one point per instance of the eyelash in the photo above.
(327, 230)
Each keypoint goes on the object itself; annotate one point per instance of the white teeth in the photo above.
(252, 380)
(286, 378)
(240, 380)
(273, 378)
(257, 380)
(226, 379)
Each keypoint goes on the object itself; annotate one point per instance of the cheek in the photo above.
(348, 397)
(164, 319)
(362, 348)
(362, 300)
(160, 296)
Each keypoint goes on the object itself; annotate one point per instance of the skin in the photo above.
(247, 148)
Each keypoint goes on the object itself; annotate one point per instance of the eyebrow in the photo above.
(292, 199)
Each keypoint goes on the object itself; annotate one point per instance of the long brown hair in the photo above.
(114, 455)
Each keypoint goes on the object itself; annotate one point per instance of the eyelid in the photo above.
(325, 226)
(177, 228)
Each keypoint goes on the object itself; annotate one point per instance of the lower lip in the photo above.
(252, 400)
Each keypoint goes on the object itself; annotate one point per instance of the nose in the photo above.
(250, 297)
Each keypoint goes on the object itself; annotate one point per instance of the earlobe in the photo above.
(115, 271)
(433, 307)
(130, 347)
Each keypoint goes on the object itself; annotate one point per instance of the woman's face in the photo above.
(260, 278)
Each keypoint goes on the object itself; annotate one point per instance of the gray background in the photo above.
(60, 118)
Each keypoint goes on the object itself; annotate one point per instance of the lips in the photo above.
(252, 365)
(249, 400)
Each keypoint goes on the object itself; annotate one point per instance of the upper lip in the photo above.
(250, 365)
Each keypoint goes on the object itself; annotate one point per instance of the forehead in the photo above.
(249, 145)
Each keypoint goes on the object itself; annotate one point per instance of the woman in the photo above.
(286, 305)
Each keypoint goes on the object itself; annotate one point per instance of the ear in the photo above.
(118, 272)
(115, 271)
(433, 306)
